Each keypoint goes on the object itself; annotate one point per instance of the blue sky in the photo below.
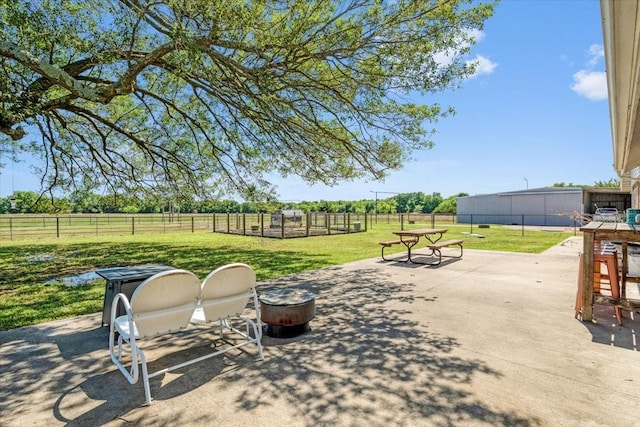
(535, 114)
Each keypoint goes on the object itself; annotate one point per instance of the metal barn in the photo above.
(548, 206)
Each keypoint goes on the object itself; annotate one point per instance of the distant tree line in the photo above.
(29, 202)
(89, 202)
(611, 183)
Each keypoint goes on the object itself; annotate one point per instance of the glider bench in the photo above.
(171, 301)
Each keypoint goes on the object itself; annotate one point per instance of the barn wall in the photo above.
(532, 208)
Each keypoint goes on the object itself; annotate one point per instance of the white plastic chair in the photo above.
(224, 296)
(161, 304)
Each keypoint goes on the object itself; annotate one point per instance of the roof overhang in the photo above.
(621, 34)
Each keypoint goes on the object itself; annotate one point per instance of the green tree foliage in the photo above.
(417, 202)
(450, 204)
(211, 96)
(31, 202)
(612, 183)
(569, 185)
(87, 202)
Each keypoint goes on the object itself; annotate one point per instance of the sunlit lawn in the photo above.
(26, 267)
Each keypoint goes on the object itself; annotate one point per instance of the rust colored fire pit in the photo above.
(287, 312)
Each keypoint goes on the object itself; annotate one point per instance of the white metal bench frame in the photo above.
(128, 335)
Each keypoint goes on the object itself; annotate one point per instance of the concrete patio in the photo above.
(489, 339)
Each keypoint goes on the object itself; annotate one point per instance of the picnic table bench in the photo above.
(390, 243)
(435, 249)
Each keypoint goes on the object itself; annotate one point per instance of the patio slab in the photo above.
(488, 339)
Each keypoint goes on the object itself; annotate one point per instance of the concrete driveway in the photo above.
(486, 340)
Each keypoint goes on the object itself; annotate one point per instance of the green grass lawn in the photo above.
(26, 267)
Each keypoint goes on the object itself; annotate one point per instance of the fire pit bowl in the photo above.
(287, 312)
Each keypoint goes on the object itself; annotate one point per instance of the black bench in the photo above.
(390, 243)
(435, 249)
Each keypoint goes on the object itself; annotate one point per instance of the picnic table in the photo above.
(410, 238)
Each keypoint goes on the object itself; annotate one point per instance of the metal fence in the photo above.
(555, 220)
(413, 220)
(283, 226)
(22, 227)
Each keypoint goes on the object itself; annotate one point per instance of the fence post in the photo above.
(522, 225)
(133, 222)
(192, 224)
(10, 228)
(308, 224)
(327, 221)
(262, 224)
(57, 226)
(228, 222)
(282, 226)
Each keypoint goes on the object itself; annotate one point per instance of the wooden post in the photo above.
(625, 269)
(261, 225)
(327, 220)
(587, 276)
(244, 224)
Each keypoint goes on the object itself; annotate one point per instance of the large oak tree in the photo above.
(214, 95)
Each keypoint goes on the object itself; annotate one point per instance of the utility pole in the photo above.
(376, 206)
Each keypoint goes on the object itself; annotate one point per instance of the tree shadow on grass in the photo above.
(28, 299)
(21, 265)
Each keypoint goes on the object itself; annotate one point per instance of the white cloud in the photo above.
(596, 52)
(590, 84)
(445, 57)
(475, 33)
(483, 65)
